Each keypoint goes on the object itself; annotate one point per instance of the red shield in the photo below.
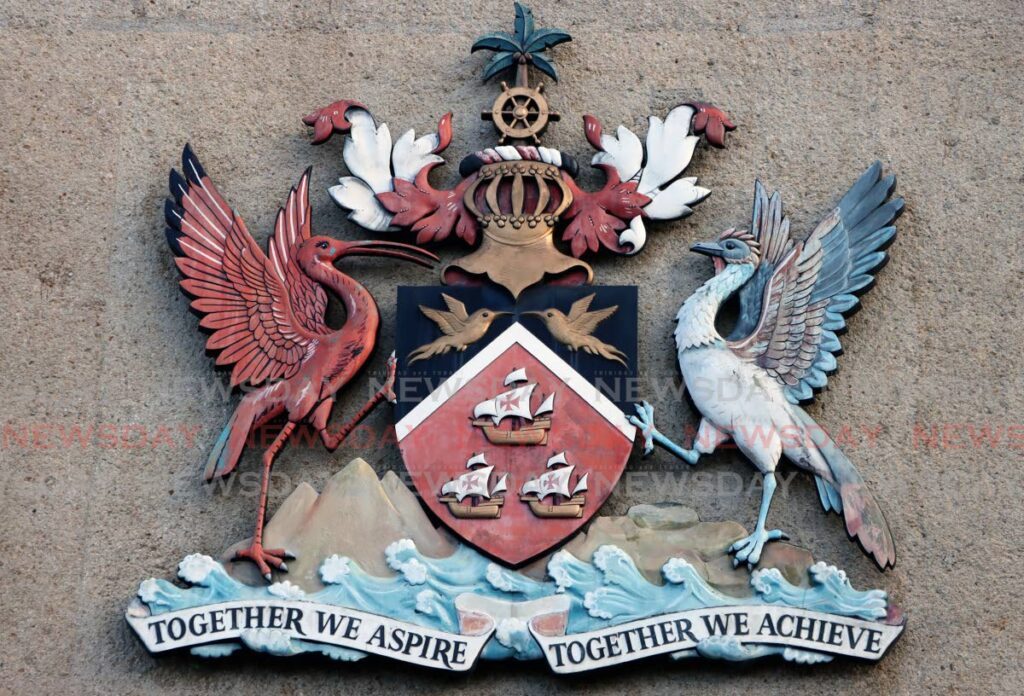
(515, 451)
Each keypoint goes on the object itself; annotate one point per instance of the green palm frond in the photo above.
(524, 22)
(526, 40)
(498, 41)
(501, 60)
(544, 39)
(544, 66)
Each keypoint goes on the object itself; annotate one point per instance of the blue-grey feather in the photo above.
(869, 262)
(816, 377)
(875, 197)
(841, 304)
(832, 278)
(798, 393)
(834, 322)
(861, 187)
(860, 282)
(879, 239)
(880, 217)
(826, 362)
(830, 498)
(830, 342)
(751, 298)
(767, 210)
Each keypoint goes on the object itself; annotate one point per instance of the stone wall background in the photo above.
(98, 98)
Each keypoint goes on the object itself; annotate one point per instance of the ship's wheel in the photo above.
(520, 113)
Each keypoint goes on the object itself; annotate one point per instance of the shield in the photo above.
(510, 416)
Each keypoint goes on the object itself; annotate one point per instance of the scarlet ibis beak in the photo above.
(395, 250)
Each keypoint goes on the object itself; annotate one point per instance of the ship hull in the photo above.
(491, 510)
(571, 508)
(535, 433)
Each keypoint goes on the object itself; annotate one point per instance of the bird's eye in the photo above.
(486, 314)
(730, 245)
(550, 314)
(322, 245)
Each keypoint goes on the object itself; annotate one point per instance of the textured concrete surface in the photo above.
(99, 97)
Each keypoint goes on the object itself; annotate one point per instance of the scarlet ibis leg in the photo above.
(264, 558)
(323, 411)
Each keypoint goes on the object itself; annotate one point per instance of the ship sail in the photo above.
(475, 459)
(501, 486)
(581, 484)
(471, 483)
(515, 402)
(547, 406)
(516, 376)
(551, 483)
(557, 459)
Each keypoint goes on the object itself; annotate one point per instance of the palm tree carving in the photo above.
(524, 47)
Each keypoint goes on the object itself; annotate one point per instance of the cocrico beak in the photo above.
(708, 248)
(395, 250)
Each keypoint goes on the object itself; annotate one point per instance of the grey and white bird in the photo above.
(748, 387)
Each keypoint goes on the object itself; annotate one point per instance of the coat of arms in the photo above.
(509, 382)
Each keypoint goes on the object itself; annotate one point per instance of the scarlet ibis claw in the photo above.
(264, 559)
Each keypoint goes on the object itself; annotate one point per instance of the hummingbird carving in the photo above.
(266, 313)
(575, 330)
(459, 328)
(793, 296)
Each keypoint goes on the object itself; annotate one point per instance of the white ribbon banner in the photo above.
(749, 625)
(310, 621)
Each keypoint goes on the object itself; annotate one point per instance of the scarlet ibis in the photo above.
(266, 314)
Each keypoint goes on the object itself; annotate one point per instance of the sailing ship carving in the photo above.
(484, 500)
(526, 426)
(554, 486)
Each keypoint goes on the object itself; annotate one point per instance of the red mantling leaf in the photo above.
(593, 130)
(712, 122)
(596, 218)
(331, 119)
(444, 133)
(430, 213)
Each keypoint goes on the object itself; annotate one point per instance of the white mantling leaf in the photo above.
(675, 201)
(669, 148)
(625, 153)
(367, 151)
(412, 155)
(635, 236)
(366, 210)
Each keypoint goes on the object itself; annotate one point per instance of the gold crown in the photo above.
(521, 201)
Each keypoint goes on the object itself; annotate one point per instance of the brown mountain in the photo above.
(358, 515)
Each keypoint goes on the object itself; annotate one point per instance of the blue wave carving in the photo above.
(607, 591)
